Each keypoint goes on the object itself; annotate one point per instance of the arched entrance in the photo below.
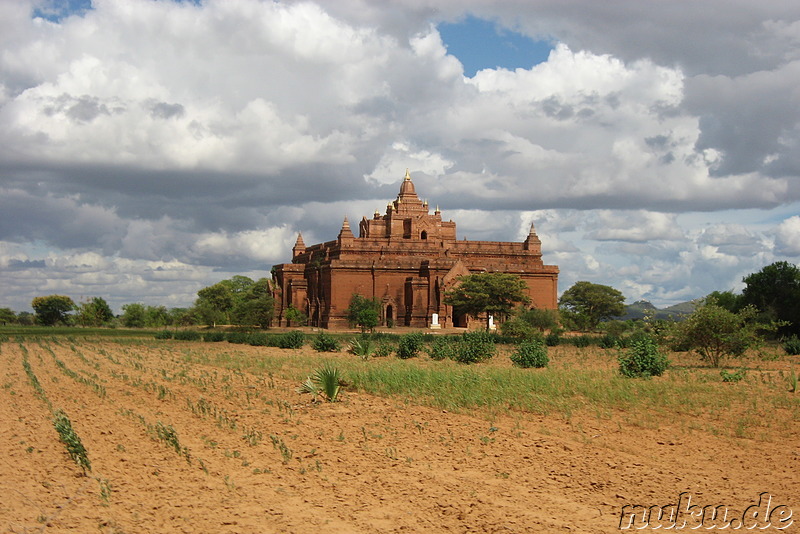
(389, 314)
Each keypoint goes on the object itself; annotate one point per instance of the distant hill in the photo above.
(640, 308)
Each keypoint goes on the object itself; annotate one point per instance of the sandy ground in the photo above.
(256, 456)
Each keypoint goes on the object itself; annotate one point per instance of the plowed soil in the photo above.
(184, 447)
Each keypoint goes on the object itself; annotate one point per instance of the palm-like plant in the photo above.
(361, 348)
(325, 381)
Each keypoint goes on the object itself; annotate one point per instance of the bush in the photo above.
(442, 348)
(410, 345)
(187, 335)
(642, 359)
(610, 341)
(792, 346)
(383, 350)
(291, 340)
(240, 338)
(164, 334)
(531, 354)
(258, 339)
(553, 339)
(581, 341)
(738, 376)
(214, 337)
(324, 342)
(475, 347)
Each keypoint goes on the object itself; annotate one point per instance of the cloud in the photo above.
(149, 147)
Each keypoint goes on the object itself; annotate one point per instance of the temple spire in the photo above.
(346, 232)
(299, 246)
(532, 242)
(408, 175)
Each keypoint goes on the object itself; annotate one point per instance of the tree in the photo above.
(727, 299)
(7, 316)
(588, 304)
(94, 312)
(775, 291)
(52, 309)
(490, 293)
(714, 332)
(363, 312)
(254, 306)
(133, 315)
(295, 317)
(214, 304)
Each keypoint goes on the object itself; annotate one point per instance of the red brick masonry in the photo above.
(407, 259)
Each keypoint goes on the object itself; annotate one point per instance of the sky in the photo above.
(150, 148)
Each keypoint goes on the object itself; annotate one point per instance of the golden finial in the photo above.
(408, 175)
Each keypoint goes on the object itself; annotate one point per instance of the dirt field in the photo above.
(183, 447)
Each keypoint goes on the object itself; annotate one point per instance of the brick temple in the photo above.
(407, 258)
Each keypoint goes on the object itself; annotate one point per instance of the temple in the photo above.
(406, 258)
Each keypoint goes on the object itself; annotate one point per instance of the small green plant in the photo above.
(410, 345)
(324, 342)
(361, 347)
(642, 359)
(383, 350)
(286, 452)
(793, 381)
(738, 376)
(70, 439)
(475, 347)
(530, 354)
(325, 381)
(441, 349)
(291, 340)
(792, 346)
(163, 334)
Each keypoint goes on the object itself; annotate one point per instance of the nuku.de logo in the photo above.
(685, 515)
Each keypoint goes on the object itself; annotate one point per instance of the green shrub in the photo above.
(383, 350)
(258, 339)
(410, 345)
(291, 340)
(642, 359)
(792, 346)
(442, 348)
(581, 341)
(240, 338)
(187, 335)
(610, 341)
(738, 376)
(163, 334)
(530, 354)
(553, 339)
(324, 342)
(475, 347)
(214, 337)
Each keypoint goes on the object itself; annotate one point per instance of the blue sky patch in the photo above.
(481, 44)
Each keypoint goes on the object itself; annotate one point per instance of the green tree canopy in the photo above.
(491, 293)
(253, 305)
(715, 332)
(775, 291)
(726, 299)
(587, 304)
(364, 312)
(52, 309)
(94, 312)
(7, 316)
(133, 315)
